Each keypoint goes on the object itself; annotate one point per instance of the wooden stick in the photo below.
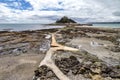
(48, 58)
(50, 63)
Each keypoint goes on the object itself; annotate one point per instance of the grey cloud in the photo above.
(116, 14)
(90, 10)
(35, 17)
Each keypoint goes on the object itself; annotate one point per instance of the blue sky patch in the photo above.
(18, 4)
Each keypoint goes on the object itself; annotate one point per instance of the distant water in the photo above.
(23, 27)
(108, 25)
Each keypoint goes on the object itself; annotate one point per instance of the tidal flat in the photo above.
(98, 56)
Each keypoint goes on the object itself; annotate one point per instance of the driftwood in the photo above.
(50, 63)
(48, 58)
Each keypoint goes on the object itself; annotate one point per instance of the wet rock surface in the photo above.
(75, 65)
(25, 41)
(88, 65)
(44, 73)
(16, 43)
(80, 63)
(115, 48)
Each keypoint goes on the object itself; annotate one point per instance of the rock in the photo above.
(81, 70)
(95, 70)
(67, 64)
(50, 74)
(37, 73)
(17, 51)
(96, 67)
(1, 48)
(74, 71)
(73, 58)
(88, 63)
(44, 46)
(115, 72)
(47, 36)
(115, 48)
(43, 73)
(97, 77)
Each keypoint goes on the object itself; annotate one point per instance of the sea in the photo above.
(107, 25)
(23, 27)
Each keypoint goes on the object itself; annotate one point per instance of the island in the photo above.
(68, 22)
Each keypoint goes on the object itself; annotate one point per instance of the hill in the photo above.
(65, 20)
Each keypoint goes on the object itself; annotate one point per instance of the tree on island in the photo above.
(65, 19)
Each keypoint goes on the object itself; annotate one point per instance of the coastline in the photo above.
(25, 27)
(101, 45)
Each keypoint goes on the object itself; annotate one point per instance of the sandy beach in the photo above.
(21, 52)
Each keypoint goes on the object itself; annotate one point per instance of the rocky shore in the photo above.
(98, 58)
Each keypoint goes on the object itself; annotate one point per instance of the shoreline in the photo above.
(23, 50)
(52, 26)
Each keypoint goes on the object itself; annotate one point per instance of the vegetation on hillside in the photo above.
(65, 20)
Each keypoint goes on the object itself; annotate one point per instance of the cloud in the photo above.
(117, 13)
(47, 11)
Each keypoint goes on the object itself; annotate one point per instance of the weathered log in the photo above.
(50, 63)
(61, 47)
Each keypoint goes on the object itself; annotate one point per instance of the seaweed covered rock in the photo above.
(72, 66)
(44, 73)
(115, 48)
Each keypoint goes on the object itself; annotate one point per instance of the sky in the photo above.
(48, 11)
